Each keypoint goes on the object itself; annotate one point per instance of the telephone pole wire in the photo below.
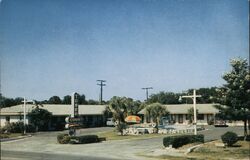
(147, 88)
(101, 84)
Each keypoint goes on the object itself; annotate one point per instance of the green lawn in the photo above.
(240, 151)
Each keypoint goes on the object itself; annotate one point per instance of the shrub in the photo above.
(120, 127)
(85, 139)
(18, 127)
(63, 138)
(2, 130)
(3, 136)
(196, 138)
(30, 128)
(14, 127)
(242, 138)
(229, 138)
(178, 141)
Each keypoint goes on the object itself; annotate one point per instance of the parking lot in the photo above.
(45, 143)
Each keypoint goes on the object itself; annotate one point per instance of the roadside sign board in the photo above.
(73, 120)
(72, 125)
(74, 103)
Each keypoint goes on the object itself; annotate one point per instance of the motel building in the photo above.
(93, 115)
(178, 115)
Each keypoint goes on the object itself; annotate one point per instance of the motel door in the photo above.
(180, 118)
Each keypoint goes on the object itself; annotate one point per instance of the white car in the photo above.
(110, 122)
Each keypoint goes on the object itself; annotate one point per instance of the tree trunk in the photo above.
(245, 129)
(249, 126)
(157, 127)
(246, 138)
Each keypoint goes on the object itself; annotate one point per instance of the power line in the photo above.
(101, 84)
(147, 88)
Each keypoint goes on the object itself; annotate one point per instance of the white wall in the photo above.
(2, 120)
(12, 119)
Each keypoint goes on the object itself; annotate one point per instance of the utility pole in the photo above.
(194, 96)
(147, 88)
(1, 99)
(101, 84)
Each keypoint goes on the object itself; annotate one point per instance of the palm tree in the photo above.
(190, 114)
(154, 112)
(117, 106)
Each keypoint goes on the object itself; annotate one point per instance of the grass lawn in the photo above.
(10, 135)
(112, 135)
(240, 151)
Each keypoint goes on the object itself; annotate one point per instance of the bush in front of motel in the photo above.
(17, 127)
(85, 139)
(178, 141)
(120, 127)
(65, 139)
(229, 138)
(242, 138)
(2, 136)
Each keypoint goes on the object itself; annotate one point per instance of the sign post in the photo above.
(73, 121)
(194, 96)
(74, 103)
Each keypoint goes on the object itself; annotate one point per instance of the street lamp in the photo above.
(194, 96)
(24, 112)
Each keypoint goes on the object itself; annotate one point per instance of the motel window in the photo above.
(7, 118)
(180, 118)
(200, 117)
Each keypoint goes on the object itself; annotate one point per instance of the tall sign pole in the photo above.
(74, 116)
(74, 104)
(24, 113)
(195, 116)
(194, 96)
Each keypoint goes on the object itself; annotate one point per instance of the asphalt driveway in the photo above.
(46, 143)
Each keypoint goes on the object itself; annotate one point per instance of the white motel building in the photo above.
(93, 115)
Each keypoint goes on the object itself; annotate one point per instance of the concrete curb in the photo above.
(196, 146)
(14, 138)
(192, 148)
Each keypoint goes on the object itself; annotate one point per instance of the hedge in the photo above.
(242, 138)
(229, 138)
(178, 141)
(65, 139)
(17, 127)
(85, 139)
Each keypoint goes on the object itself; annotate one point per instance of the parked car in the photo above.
(110, 122)
(220, 123)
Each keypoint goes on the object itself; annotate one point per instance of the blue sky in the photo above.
(56, 47)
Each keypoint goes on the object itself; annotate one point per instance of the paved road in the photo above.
(44, 145)
(213, 133)
(19, 155)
